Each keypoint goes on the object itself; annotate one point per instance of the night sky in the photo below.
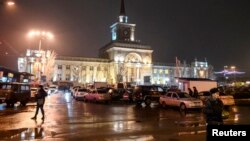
(218, 30)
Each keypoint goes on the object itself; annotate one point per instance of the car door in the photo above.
(168, 99)
(175, 99)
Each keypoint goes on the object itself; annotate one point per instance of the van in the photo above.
(10, 93)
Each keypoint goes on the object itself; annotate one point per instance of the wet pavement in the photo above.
(68, 119)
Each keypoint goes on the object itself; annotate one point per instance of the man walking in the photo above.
(40, 100)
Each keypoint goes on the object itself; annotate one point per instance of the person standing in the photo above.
(195, 93)
(190, 92)
(214, 108)
(40, 100)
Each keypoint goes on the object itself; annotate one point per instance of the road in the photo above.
(68, 119)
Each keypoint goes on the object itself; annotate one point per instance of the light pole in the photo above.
(40, 54)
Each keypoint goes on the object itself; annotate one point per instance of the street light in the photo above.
(8, 3)
(42, 35)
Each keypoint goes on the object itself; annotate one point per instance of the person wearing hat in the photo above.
(40, 100)
(213, 108)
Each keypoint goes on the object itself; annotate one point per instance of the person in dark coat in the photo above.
(213, 108)
(190, 92)
(195, 93)
(40, 100)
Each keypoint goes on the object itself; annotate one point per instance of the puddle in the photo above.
(23, 134)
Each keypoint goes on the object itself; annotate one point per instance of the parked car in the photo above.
(127, 95)
(116, 94)
(98, 95)
(180, 99)
(242, 98)
(147, 94)
(52, 89)
(15, 92)
(73, 90)
(80, 93)
(228, 100)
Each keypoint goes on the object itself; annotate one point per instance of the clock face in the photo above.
(126, 32)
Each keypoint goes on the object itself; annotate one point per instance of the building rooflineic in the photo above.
(123, 59)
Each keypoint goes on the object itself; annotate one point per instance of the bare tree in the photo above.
(49, 65)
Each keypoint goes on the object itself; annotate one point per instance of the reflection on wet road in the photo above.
(68, 119)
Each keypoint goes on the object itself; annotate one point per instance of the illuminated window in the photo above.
(59, 76)
(67, 77)
(202, 73)
(166, 71)
(160, 71)
(155, 70)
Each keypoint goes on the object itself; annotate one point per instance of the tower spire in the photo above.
(122, 9)
(122, 17)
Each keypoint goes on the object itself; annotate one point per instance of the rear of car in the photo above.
(147, 94)
(102, 95)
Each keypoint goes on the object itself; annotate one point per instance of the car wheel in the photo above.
(164, 105)
(84, 99)
(183, 107)
(23, 103)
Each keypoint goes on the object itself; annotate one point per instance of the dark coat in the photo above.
(40, 96)
(213, 111)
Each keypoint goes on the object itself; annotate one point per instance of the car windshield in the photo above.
(82, 90)
(101, 91)
(183, 95)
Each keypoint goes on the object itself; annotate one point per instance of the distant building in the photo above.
(125, 59)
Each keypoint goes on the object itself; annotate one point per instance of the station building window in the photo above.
(67, 67)
(59, 67)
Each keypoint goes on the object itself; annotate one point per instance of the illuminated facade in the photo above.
(124, 59)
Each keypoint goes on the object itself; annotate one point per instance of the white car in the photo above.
(180, 99)
(80, 93)
(52, 89)
(228, 100)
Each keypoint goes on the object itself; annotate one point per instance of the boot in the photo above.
(33, 117)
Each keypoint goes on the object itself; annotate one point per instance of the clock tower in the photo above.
(130, 60)
(122, 30)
